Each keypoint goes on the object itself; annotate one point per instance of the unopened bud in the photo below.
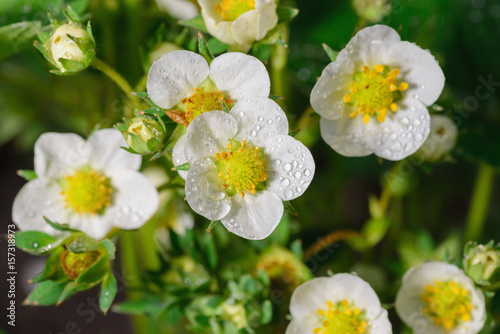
(144, 134)
(482, 262)
(442, 139)
(372, 10)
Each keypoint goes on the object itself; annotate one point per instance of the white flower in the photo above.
(243, 164)
(373, 98)
(439, 298)
(91, 185)
(441, 140)
(179, 9)
(343, 303)
(183, 80)
(239, 22)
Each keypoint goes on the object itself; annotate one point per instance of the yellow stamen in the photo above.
(230, 10)
(341, 317)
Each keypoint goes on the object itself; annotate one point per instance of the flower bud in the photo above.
(442, 139)
(481, 262)
(235, 313)
(74, 264)
(144, 134)
(70, 49)
(372, 10)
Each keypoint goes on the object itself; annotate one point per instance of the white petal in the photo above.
(381, 324)
(267, 19)
(179, 9)
(208, 134)
(174, 77)
(419, 69)
(305, 325)
(245, 27)
(178, 155)
(328, 93)
(204, 191)
(346, 136)
(94, 226)
(402, 133)
(107, 153)
(240, 76)
(289, 165)
(213, 21)
(313, 295)
(370, 46)
(254, 216)
(259, 118)
(58, 154)
(135, 201)
(36, 199)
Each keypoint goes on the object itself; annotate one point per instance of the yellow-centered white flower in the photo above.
(243, 165)
(373, 98)
(439, 298)
(343, 303)
(179, 9)
(239, 22)
(91, 185)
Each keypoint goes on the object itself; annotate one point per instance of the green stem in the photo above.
(119, 80)
(278, 61)
(387, 191)
(480, 203)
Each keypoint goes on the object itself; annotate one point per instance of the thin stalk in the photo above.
(480, 203)
(278, 61)
(329, 239)
(119, 80)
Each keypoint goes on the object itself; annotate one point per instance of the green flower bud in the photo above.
(74, 264)
(144, 134)
(482, 262)
(235, 313)
(285, 270)
(372, 10)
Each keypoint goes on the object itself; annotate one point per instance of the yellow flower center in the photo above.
(201, 102)
(230, 10)
(241, 167)
(87, 191)
(447, 303)
(342, 318)
(373, 92)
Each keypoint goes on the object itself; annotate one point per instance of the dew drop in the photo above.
(285, 182)
(298, 175)
(404, 121)
(287, 167)
(307, 172)
(288, 193)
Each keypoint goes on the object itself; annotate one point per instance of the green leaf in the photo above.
(27, 174)
(17, 37)
(294, 133)
(261, 51)
(203, 49)
(71, 15)
(95, 272)
(46, 293)
(36, 242)
(108, 292)
(286, 14)
(59, 226)
(332, 54)
(196, 23)
(148, 305)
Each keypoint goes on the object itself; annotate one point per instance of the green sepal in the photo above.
(146, 98)
(294, 133)
(36, 242)
(286, 14)
(288, 207)
(27, 174)
(261, 51)
(197, 23)
(332, 54)
(89, 31)
(122, 127)
(52, 268)
(46, 293)
(276, 97)
(82, 244)
(110, 247)
(224, 107)
(70, 289)
(96, 271)
(40, 47)
(71, 15)
(216, 46)
(59, 226)
(203, 49)
(212, 224)
(184, 167)
(108, 292)
(274, 37)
